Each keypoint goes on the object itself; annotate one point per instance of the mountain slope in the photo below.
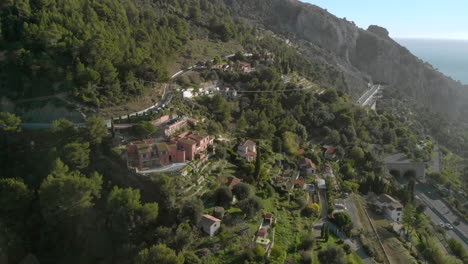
(370, 51)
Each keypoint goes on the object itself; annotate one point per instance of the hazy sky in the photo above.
(405, 18)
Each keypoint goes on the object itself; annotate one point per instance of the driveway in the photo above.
(172, 167)
(355, 244)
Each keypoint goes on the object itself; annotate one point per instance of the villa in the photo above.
(248, 150)
(389, 206)
(153, 153)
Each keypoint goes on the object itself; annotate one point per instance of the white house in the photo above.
(321, 184)
(187, 94)
(248, 150)
(391, 207)
(210, 224)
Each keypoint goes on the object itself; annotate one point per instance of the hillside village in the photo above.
(221, 131)
(316, 196)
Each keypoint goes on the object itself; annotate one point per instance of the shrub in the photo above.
(347, 249)
(308, 242)
(306, 257)
(369, 250)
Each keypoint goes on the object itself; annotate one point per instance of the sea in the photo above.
(449, 56)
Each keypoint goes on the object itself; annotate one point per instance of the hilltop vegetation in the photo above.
(66, 195)
(103, 52)
(128, 218)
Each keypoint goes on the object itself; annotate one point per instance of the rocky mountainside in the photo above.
(361, 54)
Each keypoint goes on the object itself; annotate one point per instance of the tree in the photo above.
(242, 123)
(183, 237)
(63, 128)
(76, 154)
(343, 220)
(217, 60)
(308, 241)
(145, 128)
(457, 249)
(59, 168)
(165, 192)
(10, 122)
(290, 142)
(160, 254)
(192, 211)
(223, 196)
(68, 195)
(357, 154)
(14, 199)
(409, 217)
(96, 129)
(191, 258)
(330, 96)
(277, 255)
(251, 206)
(242, 191)
(332, 255)
(334, 137)
(312, 210)
(126, 212)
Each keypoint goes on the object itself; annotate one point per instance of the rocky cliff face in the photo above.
(360, 54)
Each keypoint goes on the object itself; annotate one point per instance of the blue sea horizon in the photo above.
(449, 56)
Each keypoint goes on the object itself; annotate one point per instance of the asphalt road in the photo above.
(367, 96)
(436, 165)
(439, 212)
(166, 101)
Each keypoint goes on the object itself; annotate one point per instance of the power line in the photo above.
(276, 91)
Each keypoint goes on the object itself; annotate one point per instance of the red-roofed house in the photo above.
(299, 184)
(247, 150)
(268, 219)
(307, 166)
(234, 181)
(330, 153)
(210, 224)
(152, 153)
(263, 232)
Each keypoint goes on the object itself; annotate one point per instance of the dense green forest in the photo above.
(104, 52)
(66, 198)
(101, 51)
(67, 195)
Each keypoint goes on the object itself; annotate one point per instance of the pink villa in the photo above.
(152, 153)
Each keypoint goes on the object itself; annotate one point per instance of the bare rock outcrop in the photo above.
(358, 53)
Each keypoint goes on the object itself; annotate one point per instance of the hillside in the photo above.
(371, 52)
(261, 156)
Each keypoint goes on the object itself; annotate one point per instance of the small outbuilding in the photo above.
(210, 224)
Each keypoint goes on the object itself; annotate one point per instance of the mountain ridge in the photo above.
(371, 51)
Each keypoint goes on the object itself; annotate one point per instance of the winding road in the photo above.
(167, 97)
